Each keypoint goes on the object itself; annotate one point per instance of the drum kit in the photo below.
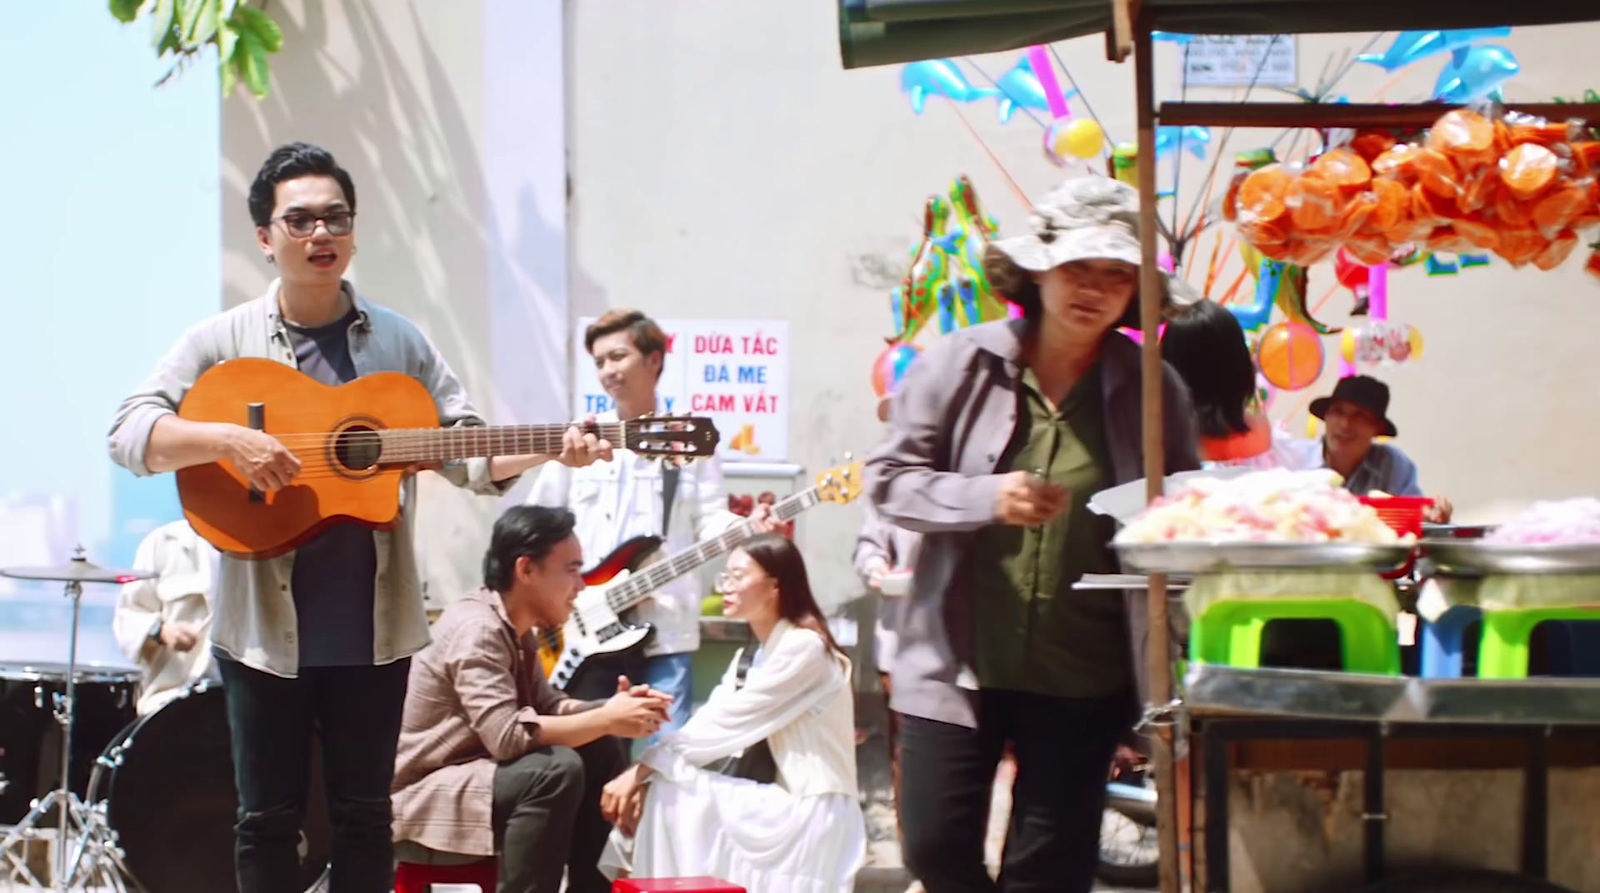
(141, 804)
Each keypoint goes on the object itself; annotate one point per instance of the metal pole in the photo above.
(64, 715)
(1150, 292)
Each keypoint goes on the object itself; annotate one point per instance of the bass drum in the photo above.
(166, 784)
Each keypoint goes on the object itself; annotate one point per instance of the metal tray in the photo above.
(1201, 556)
(1472, 558)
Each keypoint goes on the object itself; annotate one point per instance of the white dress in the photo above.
(804, 834)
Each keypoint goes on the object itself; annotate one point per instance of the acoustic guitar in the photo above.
(628, 575)
(356, 442)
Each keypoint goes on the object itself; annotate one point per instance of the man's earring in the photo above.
(271, 259)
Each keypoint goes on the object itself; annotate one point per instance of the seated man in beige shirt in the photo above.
(492, 758)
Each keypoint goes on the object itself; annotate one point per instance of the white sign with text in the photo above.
(1239, 60)
(735, 372)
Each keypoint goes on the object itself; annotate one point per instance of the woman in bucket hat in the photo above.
(998, 436)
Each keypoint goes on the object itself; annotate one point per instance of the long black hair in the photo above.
(781, 559)
(1205, 344)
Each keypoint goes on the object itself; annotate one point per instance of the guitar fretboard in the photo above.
(426, 445)
(633, 590)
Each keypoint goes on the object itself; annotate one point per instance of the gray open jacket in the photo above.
(952, 419)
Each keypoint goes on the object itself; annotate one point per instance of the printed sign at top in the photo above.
(735, 372)
(1238, 60)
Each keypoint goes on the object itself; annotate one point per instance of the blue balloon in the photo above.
(1190, 137)
(1254, 315)
(938, 77)
(1020, 88)
(1474, 73)
(1411, 46)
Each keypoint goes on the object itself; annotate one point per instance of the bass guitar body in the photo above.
(334, 432)
(595, 630)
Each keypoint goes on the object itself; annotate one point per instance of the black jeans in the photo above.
(1063, 749)
(355, 711)
(547, 816)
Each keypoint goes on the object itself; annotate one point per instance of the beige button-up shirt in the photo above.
(253, 616)
(473, 701)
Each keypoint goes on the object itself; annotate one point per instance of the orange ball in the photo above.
(1289, 355)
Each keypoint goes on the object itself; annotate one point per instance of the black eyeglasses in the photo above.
(301, 224)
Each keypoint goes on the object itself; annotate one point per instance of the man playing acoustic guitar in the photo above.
(319, 638)
(635, 496)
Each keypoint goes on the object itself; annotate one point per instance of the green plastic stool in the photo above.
(1503, 650)
(1229, 632)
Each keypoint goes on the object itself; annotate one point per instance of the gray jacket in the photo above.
(253, 611)
(952, 418)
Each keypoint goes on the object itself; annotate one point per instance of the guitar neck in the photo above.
(427, 445)
(637, 587)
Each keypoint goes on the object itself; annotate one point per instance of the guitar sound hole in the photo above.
(358, 448)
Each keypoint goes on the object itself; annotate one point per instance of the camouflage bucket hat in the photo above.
(1087, 218)
(1083, 218)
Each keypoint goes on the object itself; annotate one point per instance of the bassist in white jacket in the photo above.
(623, 499)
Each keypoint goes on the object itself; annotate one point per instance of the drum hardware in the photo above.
(93, 857)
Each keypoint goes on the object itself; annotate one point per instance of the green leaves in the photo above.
(243, 35)
(126, 10)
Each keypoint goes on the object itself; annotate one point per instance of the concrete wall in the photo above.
(462, 214)
(724, 165)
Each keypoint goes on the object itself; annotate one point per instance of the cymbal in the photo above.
(78, 570)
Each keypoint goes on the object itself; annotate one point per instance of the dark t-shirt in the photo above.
(334, 571)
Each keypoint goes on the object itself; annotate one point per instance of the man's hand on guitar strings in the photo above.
(581, 446)
(263, 461)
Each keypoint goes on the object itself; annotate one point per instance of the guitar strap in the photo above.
(669, 493)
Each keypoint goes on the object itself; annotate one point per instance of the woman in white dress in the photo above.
(804, 833)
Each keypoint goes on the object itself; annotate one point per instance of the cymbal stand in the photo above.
(95, 857)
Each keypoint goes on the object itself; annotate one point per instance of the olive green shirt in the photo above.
(1034, 633)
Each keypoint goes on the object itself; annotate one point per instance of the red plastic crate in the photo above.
(675, 885)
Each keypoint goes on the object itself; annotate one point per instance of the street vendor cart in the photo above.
(1299, 780)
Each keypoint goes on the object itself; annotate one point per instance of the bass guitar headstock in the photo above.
(841, 483)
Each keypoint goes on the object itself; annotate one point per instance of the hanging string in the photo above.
(1016, 189)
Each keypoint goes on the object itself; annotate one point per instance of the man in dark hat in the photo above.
(1355, 415)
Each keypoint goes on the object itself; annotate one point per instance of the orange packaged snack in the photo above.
(1261, 193)
(1521, 187)
(1369, 144)
(1344, 169)
(1528, 170)
(1465, 136)
(1314, 203)
(1559, 249)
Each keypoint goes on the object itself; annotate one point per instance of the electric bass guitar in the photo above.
(627, 577)
(356, 442)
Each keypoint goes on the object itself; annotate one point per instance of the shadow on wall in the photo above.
(397, 94)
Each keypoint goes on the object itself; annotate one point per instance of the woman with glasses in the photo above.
(801, 831)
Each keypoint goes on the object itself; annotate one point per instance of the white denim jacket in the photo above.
(619, 500)
(253, 617)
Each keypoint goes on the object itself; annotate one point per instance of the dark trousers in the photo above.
(547, 817)
(355, 712)
(892, 731)
(1063, 748)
